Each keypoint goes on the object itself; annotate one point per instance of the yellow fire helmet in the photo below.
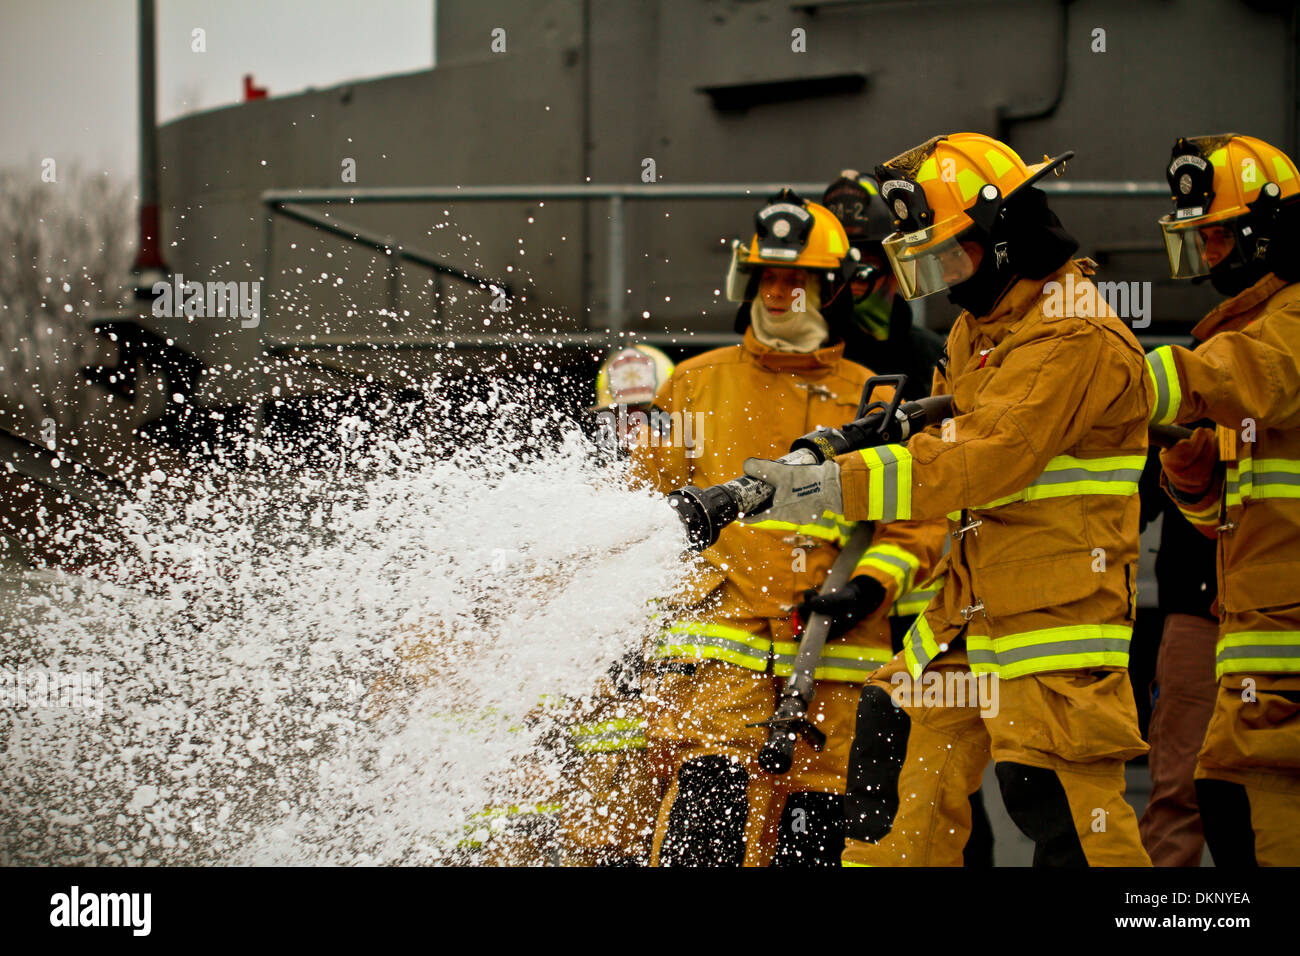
(791, 233)
(1228, 192)
(631, 376)
(945, 195)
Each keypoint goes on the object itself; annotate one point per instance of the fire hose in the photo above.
(791, 718)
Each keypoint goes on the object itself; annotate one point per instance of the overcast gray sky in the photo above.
(68, 67)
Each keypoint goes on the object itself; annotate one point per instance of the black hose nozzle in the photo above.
(784, 728)
(706, 511)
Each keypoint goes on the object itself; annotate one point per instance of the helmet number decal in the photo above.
(783, 230)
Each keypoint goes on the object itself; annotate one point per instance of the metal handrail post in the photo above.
(617, 265)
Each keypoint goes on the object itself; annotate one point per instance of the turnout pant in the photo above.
(613, 784)
(721, 808)
(1248, 772)
(1058, 742)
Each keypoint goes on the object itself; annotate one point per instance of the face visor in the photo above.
(924, 266)
(1195, 247)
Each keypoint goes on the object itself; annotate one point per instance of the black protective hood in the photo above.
(1025, 241)
(838, 312)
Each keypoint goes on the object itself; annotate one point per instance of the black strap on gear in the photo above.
(1025, 241)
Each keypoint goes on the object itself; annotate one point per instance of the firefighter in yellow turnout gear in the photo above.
(1037, 474)
(721, 669)
(613, 787)
(1237, 220)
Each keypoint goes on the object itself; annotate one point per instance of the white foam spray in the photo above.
(324, 664)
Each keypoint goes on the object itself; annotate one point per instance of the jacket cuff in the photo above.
(1200, 509)
(892, 567)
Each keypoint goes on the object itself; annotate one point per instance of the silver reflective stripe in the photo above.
(913, 602)
(887, 558)
(1276, 478)
(1064, 475)
(889, 482)
(786, 661)
(914, 640)
(1259, 650)
(1246, 482)
(709, 640)
(1083, 645)
(849, 664)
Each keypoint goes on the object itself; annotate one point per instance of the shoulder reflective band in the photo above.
(1262, 478)
(609, 736)
(829, 527)
(1163, 375)
(852, 663)
(1065, 476)
(889, 476)
(1049, 649)
(914, 602)
(715, 641)
(1259, 652)
(920, 647)
(890, 559)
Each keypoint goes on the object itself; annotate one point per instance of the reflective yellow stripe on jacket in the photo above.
(1070, 647)
(1162, 373)
(890, 559)
(1260, 652)
(1204, 515)
(1262, 478)
(715, 641)
(852, 663)
(1066, 475)
(842, 662)
(920, 647)
(889, 490)
(829, 527)
(914, 602)
(609, 736)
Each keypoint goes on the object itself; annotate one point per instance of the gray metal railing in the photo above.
(288, 202)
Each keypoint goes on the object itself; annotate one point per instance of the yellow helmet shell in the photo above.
(825, 249)
(1240, 165)
(792, 233)
(951, 170)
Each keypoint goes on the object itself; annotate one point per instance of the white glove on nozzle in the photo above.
(803, 492)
